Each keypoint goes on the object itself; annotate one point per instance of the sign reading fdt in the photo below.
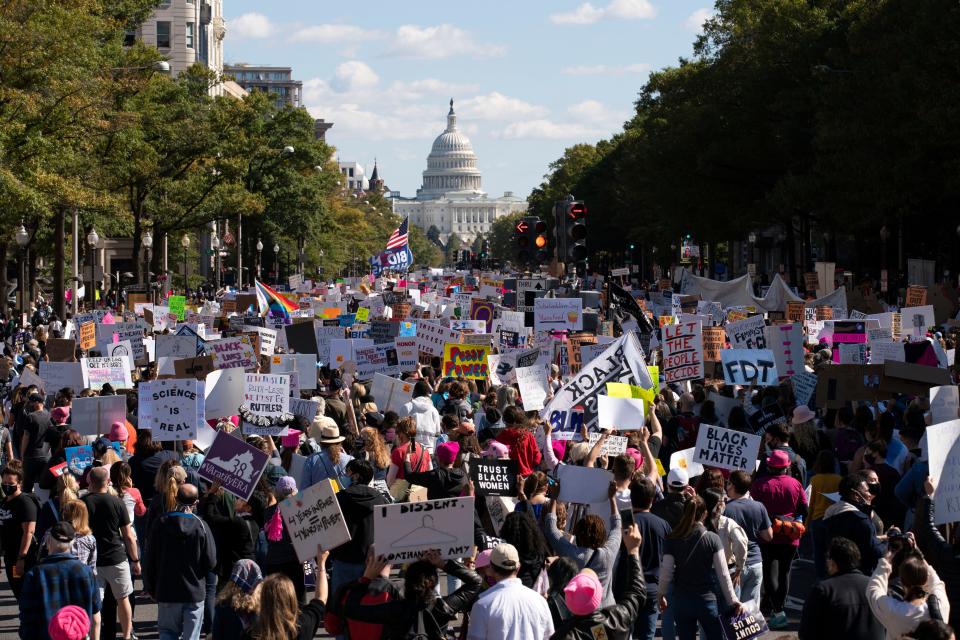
(749, 366)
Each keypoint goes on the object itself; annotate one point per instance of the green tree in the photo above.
(503, 246)
(454, 244)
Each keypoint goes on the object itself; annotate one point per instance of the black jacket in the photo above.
(440, 482)
(941, 555)
(617, 620)
(401, 616)
(670, 508)
(838, 608)
(180, 552)
(357, 503)
(845, 520)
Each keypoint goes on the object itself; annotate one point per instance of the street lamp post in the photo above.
(276, 264)
(147, 241)
(215, 245)
(185, 243)
(93, 239)
(259, 255)
(23, 239)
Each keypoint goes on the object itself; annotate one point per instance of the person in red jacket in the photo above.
(518, 436)
(374, 587)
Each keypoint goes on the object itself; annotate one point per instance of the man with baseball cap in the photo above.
(57, 581)
(508, 610)
(671, 507)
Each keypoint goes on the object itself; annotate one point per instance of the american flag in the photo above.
(399, 237)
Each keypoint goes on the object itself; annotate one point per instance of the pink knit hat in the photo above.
(583, 594)
(70, 623)
(59, 415)
(447, 452)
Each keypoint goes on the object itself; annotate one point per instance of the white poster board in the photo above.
(533, 386)
(682, 351)
(747, 334)
(58, 375)
(944, 404)
(620, 414)
(943, 447)
(391, 394)
(403, 532)
(100, 371)
(558, 314)
(726, 448)
(266, 396)
(176, 408)
(313, 518)
(749, 366)
(612, 446)
(684, 460)
(583, 485)
(224, 393)
(94, 416)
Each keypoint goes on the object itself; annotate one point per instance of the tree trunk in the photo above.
(4, 248)
(59, 259)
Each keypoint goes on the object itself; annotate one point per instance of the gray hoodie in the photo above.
(428, 421)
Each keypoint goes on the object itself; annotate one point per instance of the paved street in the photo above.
(146, 611)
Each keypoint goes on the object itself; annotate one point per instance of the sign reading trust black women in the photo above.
(494, 477)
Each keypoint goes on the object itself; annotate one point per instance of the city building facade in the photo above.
(354, 176)
(451, 197)
(277, 81)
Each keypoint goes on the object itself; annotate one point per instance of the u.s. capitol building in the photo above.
(451, 198)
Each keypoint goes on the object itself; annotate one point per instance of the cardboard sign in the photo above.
(612, 446)
(911, 379)
(620, 414)
(266, 396)
(236, 465)
(558, 314)
(403, 532)
(301, 337)
(583, 485)
(786, 343)
(95, 415)
(916, 296)
(494, 477)
(533, 386)
(198, 368)
(943, 449)
(726, 448)
(88, 335)
(682, 351)
(391, 394)
(60, 375)
(684, 460)
(465, 361)
(176, 409)
(747, 334)
(749, 366)
(306, 409)
(795, 312)
(100, 371)
(714, 339)
(842, 383)
(804, 386)
(313, 519)
(233, 353)
(178, 307)
(407, 354)
(886, 350)
(61, 350)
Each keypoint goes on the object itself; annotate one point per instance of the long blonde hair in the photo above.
(278, 609)
(376, 447)
(176, 476)
(234, 597)
(75, 512)
(805, 435)
(67, 488)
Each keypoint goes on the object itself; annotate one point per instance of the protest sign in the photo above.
(88, 335)
(121, 349)
(722, 406)
(726, 448)
(474, 326)
(915, 321)
(744, 626)
(403, 532)
(224, 393)
(313, 519)
(30, 379)
(376, 358)
(303, 363)
(533, 386)
(407, 354)
(886, 350)
(266, 401)
(852, 353)
(95, 415)
(558, 314)
(916, 296)
(583, 485)
(467, 361)
(61, 350)
(494, 477)
(713, 343)
(198, 368)
(236, 465)
(432, 337)
(100, 371)
(60, 375)
(612, 445)
(176, 408)
(682, 351)
(804, 386)
(622, 361)
(620, 414)
(795, 312)
(391, 394)
(683, 459)
(177, 306)
(483, 310)
(944, 404)
(747, 334)
(943, 450)
(268, 339)
(79, 459)
(230, 353)
(765, 417)
(301, 337)
(786, 343)
(749, 366)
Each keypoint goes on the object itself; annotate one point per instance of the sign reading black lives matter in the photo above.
(494, 477)
(726, 448)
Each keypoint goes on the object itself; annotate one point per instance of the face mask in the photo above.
(9, 489)
(874, 488)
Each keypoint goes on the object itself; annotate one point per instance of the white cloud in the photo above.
(496, 106)
(333, 34)
(419, 89)
(543, 128)
(354, 76)
(441, 41)
(695, 20)
(593, 112)
(250, 25)
(587, 13)
(606, 70)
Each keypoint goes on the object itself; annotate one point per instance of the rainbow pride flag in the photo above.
(271, 302)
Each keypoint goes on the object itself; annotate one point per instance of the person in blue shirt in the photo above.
(653, 531)
(330, 462)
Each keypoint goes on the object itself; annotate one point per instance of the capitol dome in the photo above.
(451, 165)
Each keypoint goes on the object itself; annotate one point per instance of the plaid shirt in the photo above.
(55, 582)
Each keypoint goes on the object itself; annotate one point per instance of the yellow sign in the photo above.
(363, 313)
(622, 390)
(465, 361)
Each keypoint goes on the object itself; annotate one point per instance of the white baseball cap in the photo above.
(678, 478)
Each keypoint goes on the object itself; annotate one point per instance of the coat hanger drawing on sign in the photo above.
(424, 535)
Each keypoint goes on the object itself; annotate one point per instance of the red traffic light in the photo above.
(577, 210)
(522, 226)
(541, 227)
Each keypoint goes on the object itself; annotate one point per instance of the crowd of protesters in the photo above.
(846, 489)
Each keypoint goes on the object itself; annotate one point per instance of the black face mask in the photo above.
(8, 489)
(873, 488)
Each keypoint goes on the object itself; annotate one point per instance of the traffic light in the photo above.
(576, 225)
(540, 241)
(522, 238)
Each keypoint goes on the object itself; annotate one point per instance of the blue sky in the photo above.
(529, 77)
